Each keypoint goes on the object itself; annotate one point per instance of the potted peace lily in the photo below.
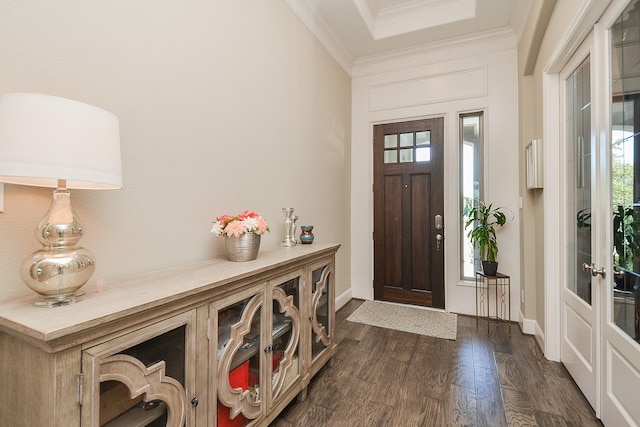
(241, 234)
(483, 220)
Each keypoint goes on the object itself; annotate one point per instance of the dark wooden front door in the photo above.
(408, 212)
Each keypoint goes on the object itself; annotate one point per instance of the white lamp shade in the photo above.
(45, 138)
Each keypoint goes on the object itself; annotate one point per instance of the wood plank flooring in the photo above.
(382, 377)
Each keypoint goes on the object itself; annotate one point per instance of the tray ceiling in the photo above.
(364, 28)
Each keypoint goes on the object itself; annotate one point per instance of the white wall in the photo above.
(223, 106)
(478, 74)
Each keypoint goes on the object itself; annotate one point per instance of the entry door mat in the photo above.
(418, 320)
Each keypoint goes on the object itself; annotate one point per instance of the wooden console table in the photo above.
(502, 285)
(214, 343)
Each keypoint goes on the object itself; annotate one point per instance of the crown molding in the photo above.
(451, 49)
(420, 15)
(326, 38)
(367, 15)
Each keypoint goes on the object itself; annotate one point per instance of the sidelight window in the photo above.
(470, 186)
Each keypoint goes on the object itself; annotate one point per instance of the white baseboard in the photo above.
(531, 327)
(539, 336)
(528, 326)
(343, 298)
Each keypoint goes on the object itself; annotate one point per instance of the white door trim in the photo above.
(551, 197)
(577, 31)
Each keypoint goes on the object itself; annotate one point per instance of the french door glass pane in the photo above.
(625, 172)
(579, 157)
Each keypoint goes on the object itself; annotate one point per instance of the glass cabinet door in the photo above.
(141, 379)
(285, 334)
(239, 353)
(320, 298)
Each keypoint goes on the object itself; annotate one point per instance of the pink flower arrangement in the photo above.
(246, 222)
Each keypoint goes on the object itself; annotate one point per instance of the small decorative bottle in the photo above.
(306, 237)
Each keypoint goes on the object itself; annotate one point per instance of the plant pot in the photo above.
(243, 248)
(490, 268)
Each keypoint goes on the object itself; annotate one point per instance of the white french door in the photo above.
(600, 299)
(580, 299)
(619, 342)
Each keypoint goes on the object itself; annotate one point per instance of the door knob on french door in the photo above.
(591, 268)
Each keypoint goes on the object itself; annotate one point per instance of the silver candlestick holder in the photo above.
(289, 227)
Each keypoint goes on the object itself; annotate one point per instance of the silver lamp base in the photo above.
(57, 273)
(60, 268)
(58, 301)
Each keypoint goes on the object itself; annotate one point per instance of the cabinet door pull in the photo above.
(194, 402)
(80, 396)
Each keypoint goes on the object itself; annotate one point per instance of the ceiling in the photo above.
(363, 28)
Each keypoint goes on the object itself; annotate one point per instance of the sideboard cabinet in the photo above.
(217, 343)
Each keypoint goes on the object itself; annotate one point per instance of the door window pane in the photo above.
(391, 156)
(423, 154)
(406, 139)
(407, 147)
(406, 155)
(579, 159)
(423, 138)
(390, 141)
(625, 172)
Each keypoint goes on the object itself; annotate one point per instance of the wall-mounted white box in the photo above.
(534, 164)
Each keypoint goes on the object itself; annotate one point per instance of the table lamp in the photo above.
(55, 142)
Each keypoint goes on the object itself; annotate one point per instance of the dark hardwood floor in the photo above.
(382, 377)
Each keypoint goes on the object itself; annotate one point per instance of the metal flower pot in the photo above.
(243, 248)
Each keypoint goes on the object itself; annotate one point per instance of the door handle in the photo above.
(591, 268)
(438, 222)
